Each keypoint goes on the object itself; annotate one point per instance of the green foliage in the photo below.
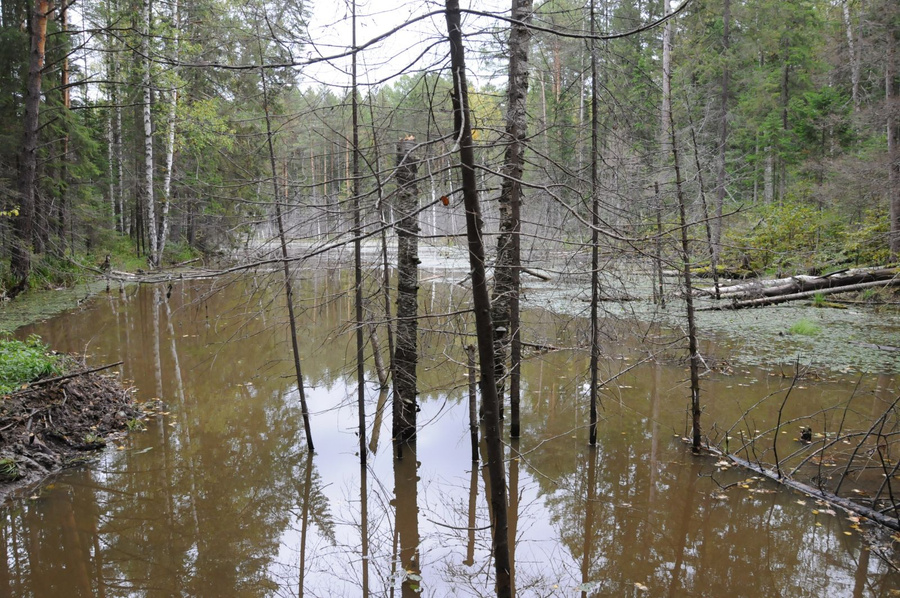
(794, 236)
(179, 252)
(135, 425)
(9, 470)
(805, 328)
(866, 243)
(24, 361)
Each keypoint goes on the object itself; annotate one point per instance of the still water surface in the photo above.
(219, 497)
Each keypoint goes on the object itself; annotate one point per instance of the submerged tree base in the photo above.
(51, 425)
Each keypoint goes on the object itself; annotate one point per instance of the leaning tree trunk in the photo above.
(406, 357)
(20, 261)
(481, 302)
(288, 284)
(505, 300)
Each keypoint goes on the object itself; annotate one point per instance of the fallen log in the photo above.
(539, 275)
(833, 499)
(802, 295)
(802, 283)
(72, 375)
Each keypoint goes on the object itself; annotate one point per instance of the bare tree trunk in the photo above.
(20, 261)
(595, 232)
(170, 136)
(505, 300)
(117, 141)
(713, 263)
(893, 140)
(723, 137)
(288, 285)
(147, 17)
(481, 302)
(665, 115)
(380, 370)
(854, 57)
(357, 271)
(689, 299)
(63, 219)
(406, 356)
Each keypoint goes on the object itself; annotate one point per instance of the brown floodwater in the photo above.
(219, 496)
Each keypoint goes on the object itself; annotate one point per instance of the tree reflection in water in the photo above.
(220, 497)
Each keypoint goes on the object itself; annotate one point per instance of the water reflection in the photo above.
(220, 497)
(406, 504)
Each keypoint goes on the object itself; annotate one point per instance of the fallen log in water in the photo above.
(832, 499)
(802, 295)
(802, 283)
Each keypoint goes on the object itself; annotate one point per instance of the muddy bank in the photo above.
(59, 423)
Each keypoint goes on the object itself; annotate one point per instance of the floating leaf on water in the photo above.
(848, 533)
(829, 512)
(723, 463)
(720, 496)
(801, 502)
(815, 512)
(641, 586)
(818, 524)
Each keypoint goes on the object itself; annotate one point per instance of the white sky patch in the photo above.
(420, 45)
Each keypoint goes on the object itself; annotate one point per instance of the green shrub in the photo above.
(24, 361)
(867, 243)
(791, 237)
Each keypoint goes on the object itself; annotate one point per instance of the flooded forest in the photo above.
(552, 299)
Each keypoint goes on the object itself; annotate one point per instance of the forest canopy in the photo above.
(139, 130)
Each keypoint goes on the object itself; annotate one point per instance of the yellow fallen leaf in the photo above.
(848, 534)
(641, 586)
(818, 524)
(815, 512)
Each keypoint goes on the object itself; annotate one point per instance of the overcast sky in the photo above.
(405, 51)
